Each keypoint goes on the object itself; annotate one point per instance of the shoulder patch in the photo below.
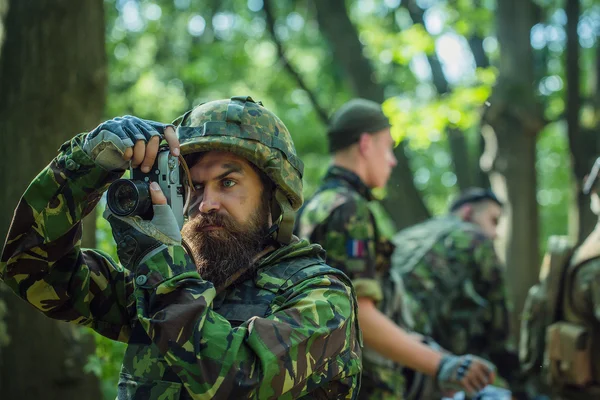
(356, 248)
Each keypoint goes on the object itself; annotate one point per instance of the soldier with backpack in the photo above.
(560, 334)
(455, 282)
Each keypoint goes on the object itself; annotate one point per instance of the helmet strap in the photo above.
(284, 215)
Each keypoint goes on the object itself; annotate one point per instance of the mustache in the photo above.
(213, 219)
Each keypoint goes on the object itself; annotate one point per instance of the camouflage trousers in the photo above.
(379, 383)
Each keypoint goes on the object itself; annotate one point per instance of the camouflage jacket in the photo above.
(338, 217)
(455, 286)
(290, 332)
(581, 303)
(585, 292)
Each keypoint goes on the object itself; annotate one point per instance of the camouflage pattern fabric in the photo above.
(585, 292)
(301, 340)
(455, 287)
(338, 218)
(581, 307)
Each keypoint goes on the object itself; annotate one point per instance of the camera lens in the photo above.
(126, 197)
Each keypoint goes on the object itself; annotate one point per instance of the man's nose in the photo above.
(210, 201)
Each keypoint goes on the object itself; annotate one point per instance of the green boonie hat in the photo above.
(354, 118)
(244, 127)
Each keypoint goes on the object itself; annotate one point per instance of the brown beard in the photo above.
(220, 253)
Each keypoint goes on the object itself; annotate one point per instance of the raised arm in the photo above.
(42, 261)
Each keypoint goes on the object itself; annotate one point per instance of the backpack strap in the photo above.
(553, 271)
(586, 252)
(280, 278)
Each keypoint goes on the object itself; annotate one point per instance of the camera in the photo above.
(129, 197)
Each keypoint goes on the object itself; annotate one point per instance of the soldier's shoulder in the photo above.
(324, 203)
(470, 234)
(291, 271)
(591, 265)
(420, 230)
(336, 196)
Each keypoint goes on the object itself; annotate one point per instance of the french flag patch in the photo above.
(355, 248)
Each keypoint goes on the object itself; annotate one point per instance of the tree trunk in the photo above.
(3, 11)
(481, 61)
(53, 81)
(403, 202)
(583, 143)
(513, 122)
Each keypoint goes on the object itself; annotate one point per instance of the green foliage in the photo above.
(426, 119)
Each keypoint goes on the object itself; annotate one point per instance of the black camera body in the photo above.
(129, 197)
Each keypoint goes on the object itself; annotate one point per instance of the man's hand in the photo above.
(128, 140)
(468, 373)
(136, 238)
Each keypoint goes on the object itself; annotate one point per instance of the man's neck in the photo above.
(353, 164)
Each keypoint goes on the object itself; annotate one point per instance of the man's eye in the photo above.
(228, 183)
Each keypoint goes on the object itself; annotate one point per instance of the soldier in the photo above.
(338, 217)
(248, 312)
(455, 282)
(570, 325)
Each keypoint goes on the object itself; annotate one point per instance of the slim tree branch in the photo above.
(270, 19)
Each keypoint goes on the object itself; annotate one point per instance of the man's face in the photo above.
(380, 158)
(486, 215)
(227, 216)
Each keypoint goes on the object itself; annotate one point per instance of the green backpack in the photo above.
(542, 307)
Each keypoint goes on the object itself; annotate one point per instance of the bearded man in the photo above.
(237, 309)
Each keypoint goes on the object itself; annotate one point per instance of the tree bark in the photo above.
(513, 122)
(3, 11)
(481, 61)
(270, 19)
(583, 143)
(53, 82)
(403, 202)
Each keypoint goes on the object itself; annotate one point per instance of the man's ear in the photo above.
(364, 143)
(466, 212)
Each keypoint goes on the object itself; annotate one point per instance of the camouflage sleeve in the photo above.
(489, 282)
(308, 341)
(348, 236)
(42, 261)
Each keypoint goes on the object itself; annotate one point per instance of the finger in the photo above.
(171, 138)
(468, 387)
(156, 194)
(150, 156)
(139, 150)
(128, 154)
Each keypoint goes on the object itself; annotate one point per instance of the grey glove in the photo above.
(107, 143)
(138, 239)
(453, 373)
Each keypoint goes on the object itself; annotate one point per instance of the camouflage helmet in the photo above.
(244, 127)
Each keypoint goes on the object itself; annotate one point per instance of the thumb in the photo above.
(157, 196)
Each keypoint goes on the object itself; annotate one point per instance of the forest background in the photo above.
(481, 93)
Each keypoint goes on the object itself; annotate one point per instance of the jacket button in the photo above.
(141, 279)
(72, 165)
